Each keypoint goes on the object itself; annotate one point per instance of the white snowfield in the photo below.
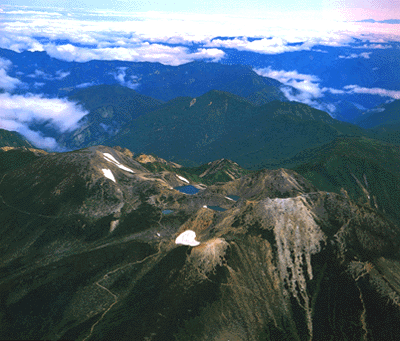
(229, 198)
(111, 159)
(187, 238)
(183, 179)
(108, 174)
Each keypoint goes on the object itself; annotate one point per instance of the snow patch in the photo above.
(229, 198)
(125, 168)
(108, 174)
(111, 159)
(183, 179)
(187, 238)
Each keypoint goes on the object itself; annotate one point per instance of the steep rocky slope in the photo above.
(88, 252)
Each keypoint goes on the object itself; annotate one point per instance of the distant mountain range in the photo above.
(155, 80)
(41, 74)
(381, 116)
(387, 21)
(219, 124)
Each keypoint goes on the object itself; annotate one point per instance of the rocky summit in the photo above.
(94, 246)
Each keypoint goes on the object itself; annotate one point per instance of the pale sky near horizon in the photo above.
(340, 9)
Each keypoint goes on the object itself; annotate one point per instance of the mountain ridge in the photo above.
(278, 262)
(221, 125)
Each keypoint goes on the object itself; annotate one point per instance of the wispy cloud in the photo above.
(372, 91)
(7, 83)
(38, 84)
(308, 86)
(355, 55)
(85, 85)
(35, 13)
(374, 46)
(120, 76)
(18, 112)
(43, 75)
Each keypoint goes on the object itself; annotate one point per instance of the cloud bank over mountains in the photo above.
(175, 39)
(18, 113)
(169, 38)
(146, 52)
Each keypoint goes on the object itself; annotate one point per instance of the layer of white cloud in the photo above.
(138, 37)
(355, 55)
(7, 83)
(146, 52)
(266, 45)
(17, 112)
(373, 91)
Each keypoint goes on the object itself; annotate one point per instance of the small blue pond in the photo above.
(189, 189)
(167, 211)
(217, 208)
(233, 197)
